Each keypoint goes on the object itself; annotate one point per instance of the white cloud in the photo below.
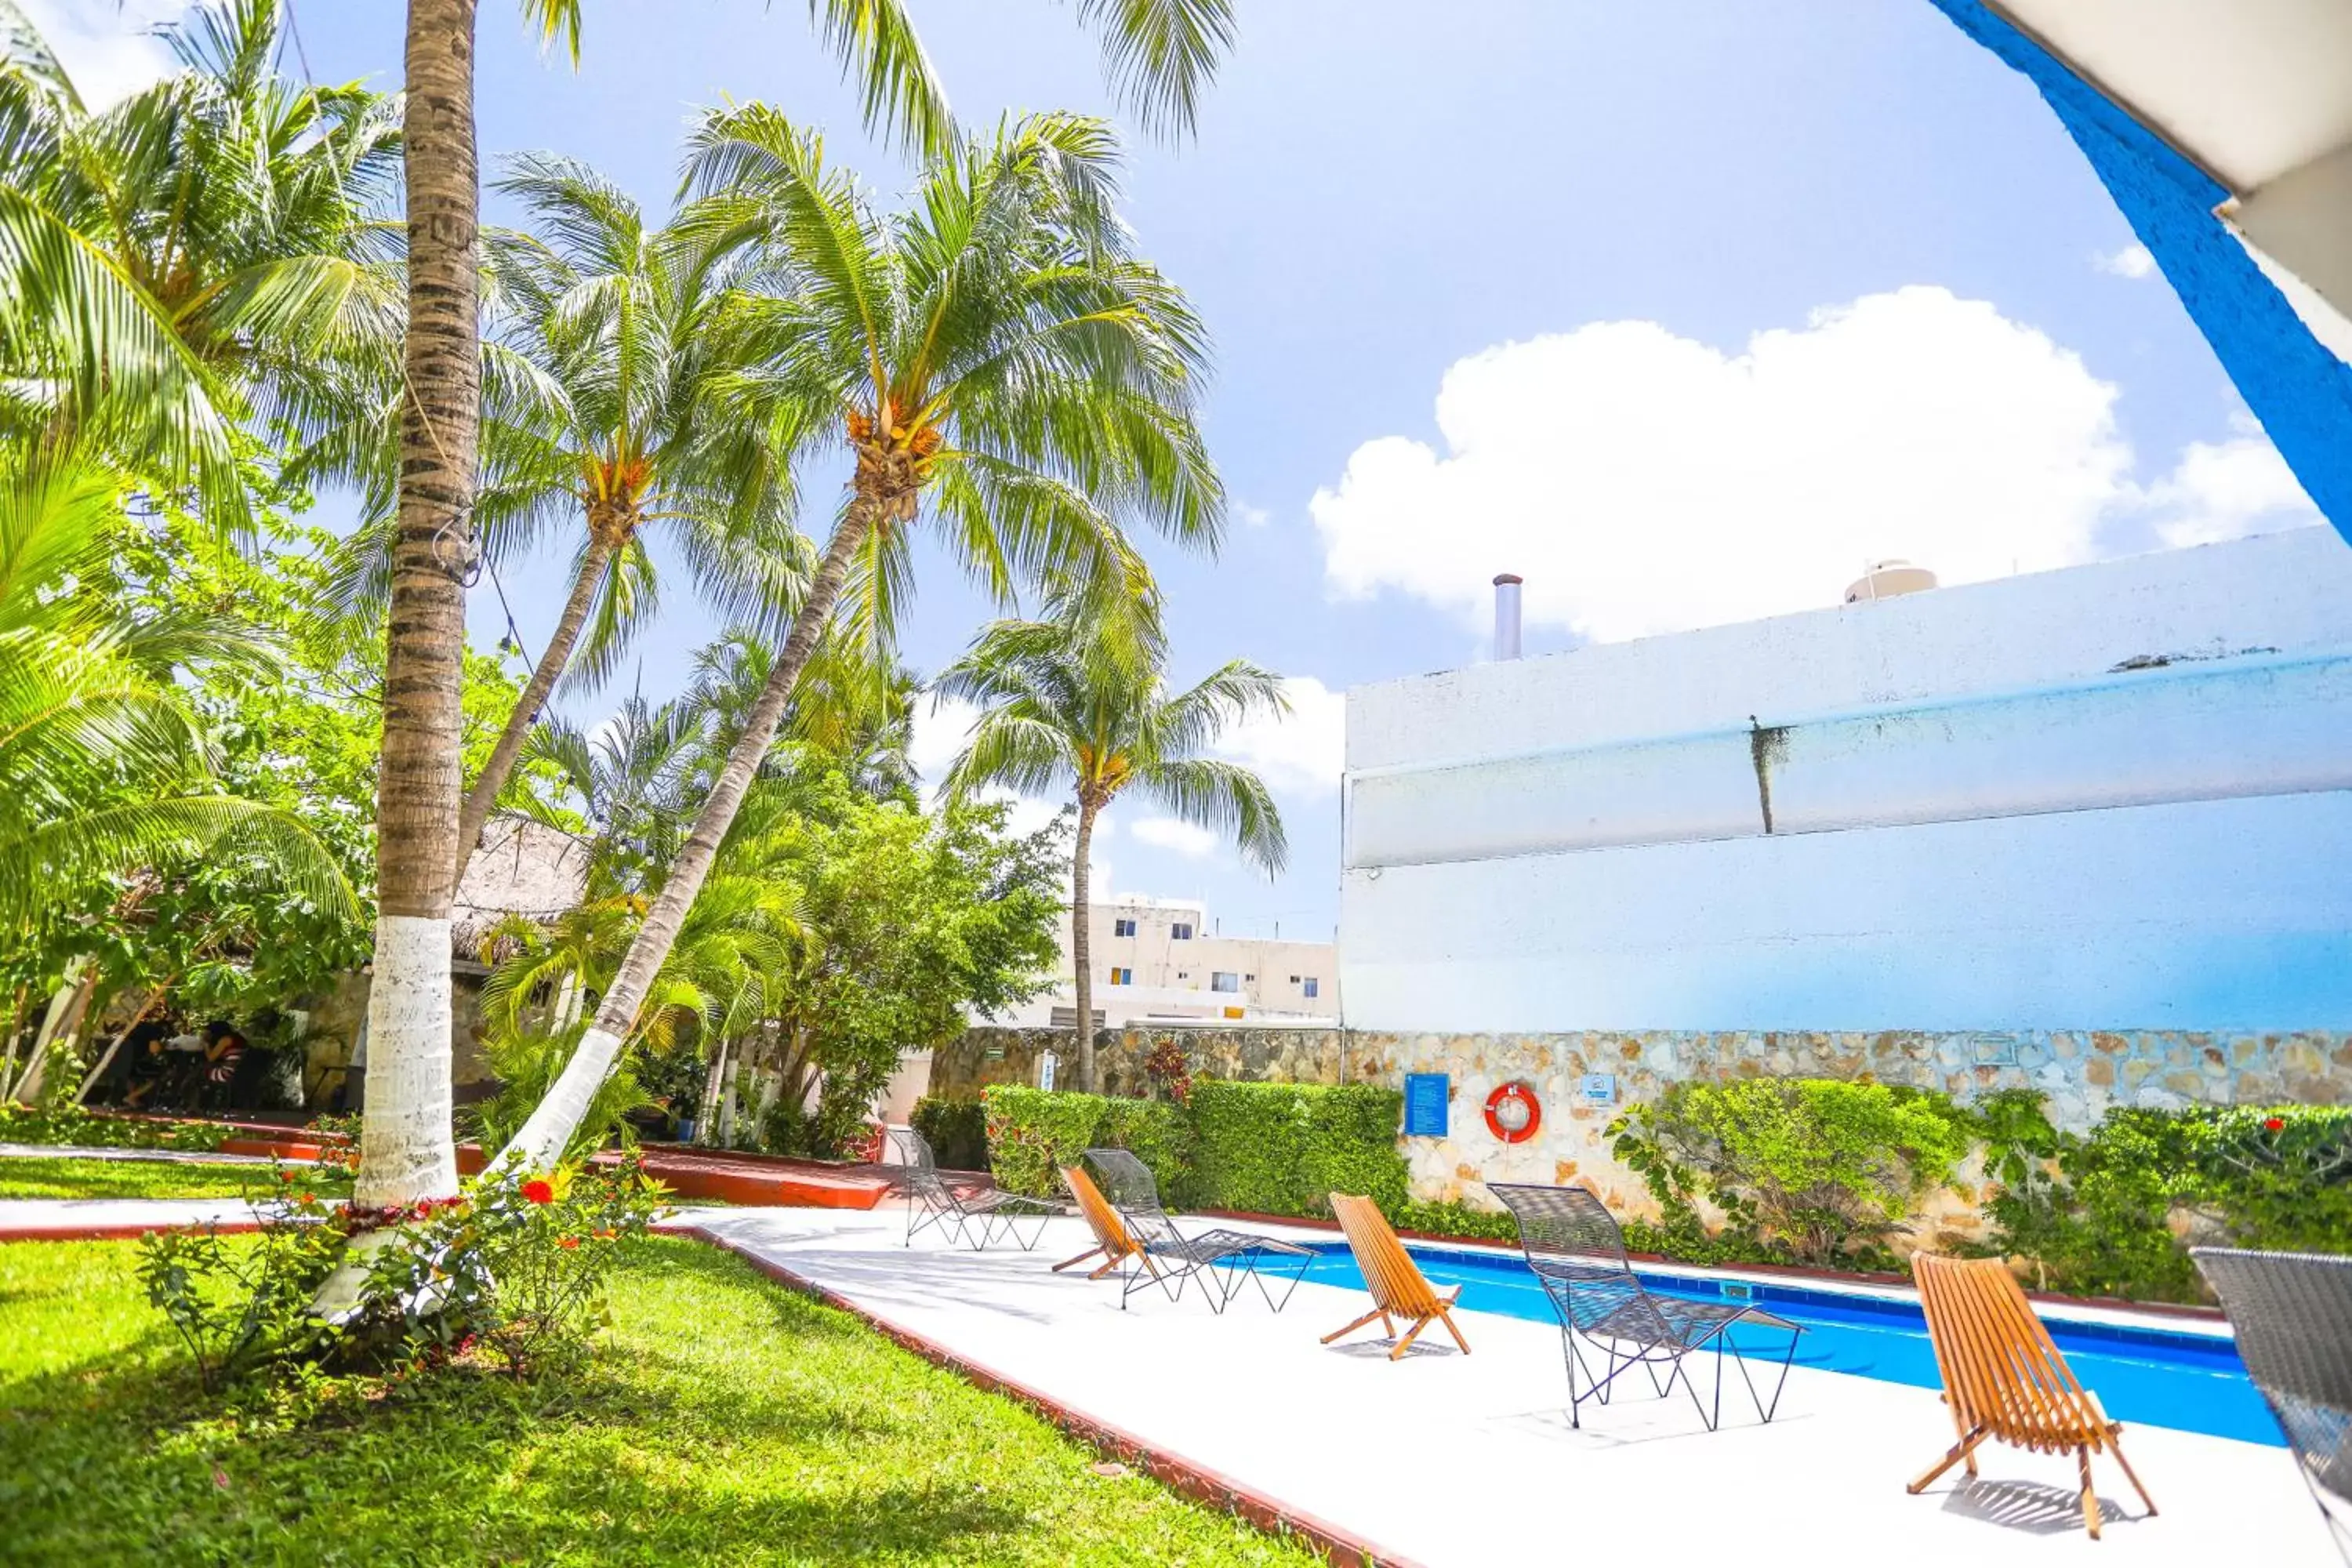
(1252, 516)
(2228, 490)
(1643, 482)
(2131, 261)
(108, 50)
(1173, 833)
(1300, 753)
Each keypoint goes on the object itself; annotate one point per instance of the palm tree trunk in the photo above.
(484, 794)
(1081, 947)
(706, 1121)
(405, 1148)
(542, 1141)
(61, 1023)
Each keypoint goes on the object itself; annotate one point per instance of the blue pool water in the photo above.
(2193, 1382)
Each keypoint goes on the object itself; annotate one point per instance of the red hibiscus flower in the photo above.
(538, 1191)
(567, 1242)
(2274, 1124)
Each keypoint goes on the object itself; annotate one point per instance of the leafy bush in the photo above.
(512, 1264)
(1283, 1149)
(519, 1264)
(957, 1130)
(2095, 1213)
(1819, 1166)
(1031, 1131)
(70, 1124)
(240, 1305)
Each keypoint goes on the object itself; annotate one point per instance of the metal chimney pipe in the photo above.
(1507, 616)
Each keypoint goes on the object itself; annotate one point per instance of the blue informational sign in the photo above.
(1424, 1104)
(1599, 1089)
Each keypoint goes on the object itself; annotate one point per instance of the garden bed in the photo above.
(723, 1419)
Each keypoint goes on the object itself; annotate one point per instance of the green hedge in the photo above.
(957, 1130)
(1032, 1132)
(1283, 1149)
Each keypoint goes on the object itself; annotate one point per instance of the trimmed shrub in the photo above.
(1283, 1149)
(1031, 1131)
(957, 1130)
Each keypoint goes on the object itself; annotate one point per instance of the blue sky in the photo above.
(1723, 300)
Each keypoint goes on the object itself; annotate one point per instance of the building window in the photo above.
(1181, 931)
(1183, 974)
(1224, 980)
(1122, 927)
(1312, 985)
(1122, 978)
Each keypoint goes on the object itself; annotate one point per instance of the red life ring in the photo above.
(1520, 1123)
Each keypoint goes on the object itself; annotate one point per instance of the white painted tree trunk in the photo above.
(405, 1151)
(60, 1022)
(540, 1143)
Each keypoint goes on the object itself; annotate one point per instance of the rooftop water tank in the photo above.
(1886, 579)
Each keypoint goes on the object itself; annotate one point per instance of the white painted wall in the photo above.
(2118, 796)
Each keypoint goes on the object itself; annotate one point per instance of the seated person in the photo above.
(225, 1050)
(137, 1067)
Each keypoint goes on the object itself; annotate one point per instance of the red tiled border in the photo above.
(1171, 1470)
(1786, 1270)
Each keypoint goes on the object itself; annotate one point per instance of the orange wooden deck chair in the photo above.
(2003, 1377)
(1114, 1242)
(1395, 1279)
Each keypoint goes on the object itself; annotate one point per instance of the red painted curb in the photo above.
(1171, 1470)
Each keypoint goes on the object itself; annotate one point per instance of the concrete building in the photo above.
(2114, 797)
(1165, 960)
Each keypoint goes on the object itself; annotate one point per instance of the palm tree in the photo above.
(208, 246)
(1069, 704)
(600, 368)
(1161, 53)
(996, 351)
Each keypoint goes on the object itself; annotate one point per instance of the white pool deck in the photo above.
(1453, 1462)
(1456, 1461)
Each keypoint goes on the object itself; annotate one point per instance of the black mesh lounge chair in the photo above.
(1572, 1242)
(1223, 1260)
(2292, 1314)
(975, 1219)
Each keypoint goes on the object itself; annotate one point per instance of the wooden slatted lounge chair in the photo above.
(2004, 1379)
(1395, 1279)
(975, 1219)
(1116, 1242)
(1577, 1252)
(2293, 1315)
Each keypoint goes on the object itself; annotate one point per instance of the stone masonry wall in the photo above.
(2081, 1073)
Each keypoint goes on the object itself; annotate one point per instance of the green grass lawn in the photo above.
(38, 1176)
(723, 1420)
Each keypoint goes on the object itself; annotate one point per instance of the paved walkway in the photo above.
(161, 1156)
(1459, 1462)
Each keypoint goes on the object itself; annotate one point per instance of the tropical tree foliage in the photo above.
(996, 354)
(111, 816)
(209, 249)
(1079, 705)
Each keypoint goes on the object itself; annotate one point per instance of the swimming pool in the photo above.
(2162, 1377)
